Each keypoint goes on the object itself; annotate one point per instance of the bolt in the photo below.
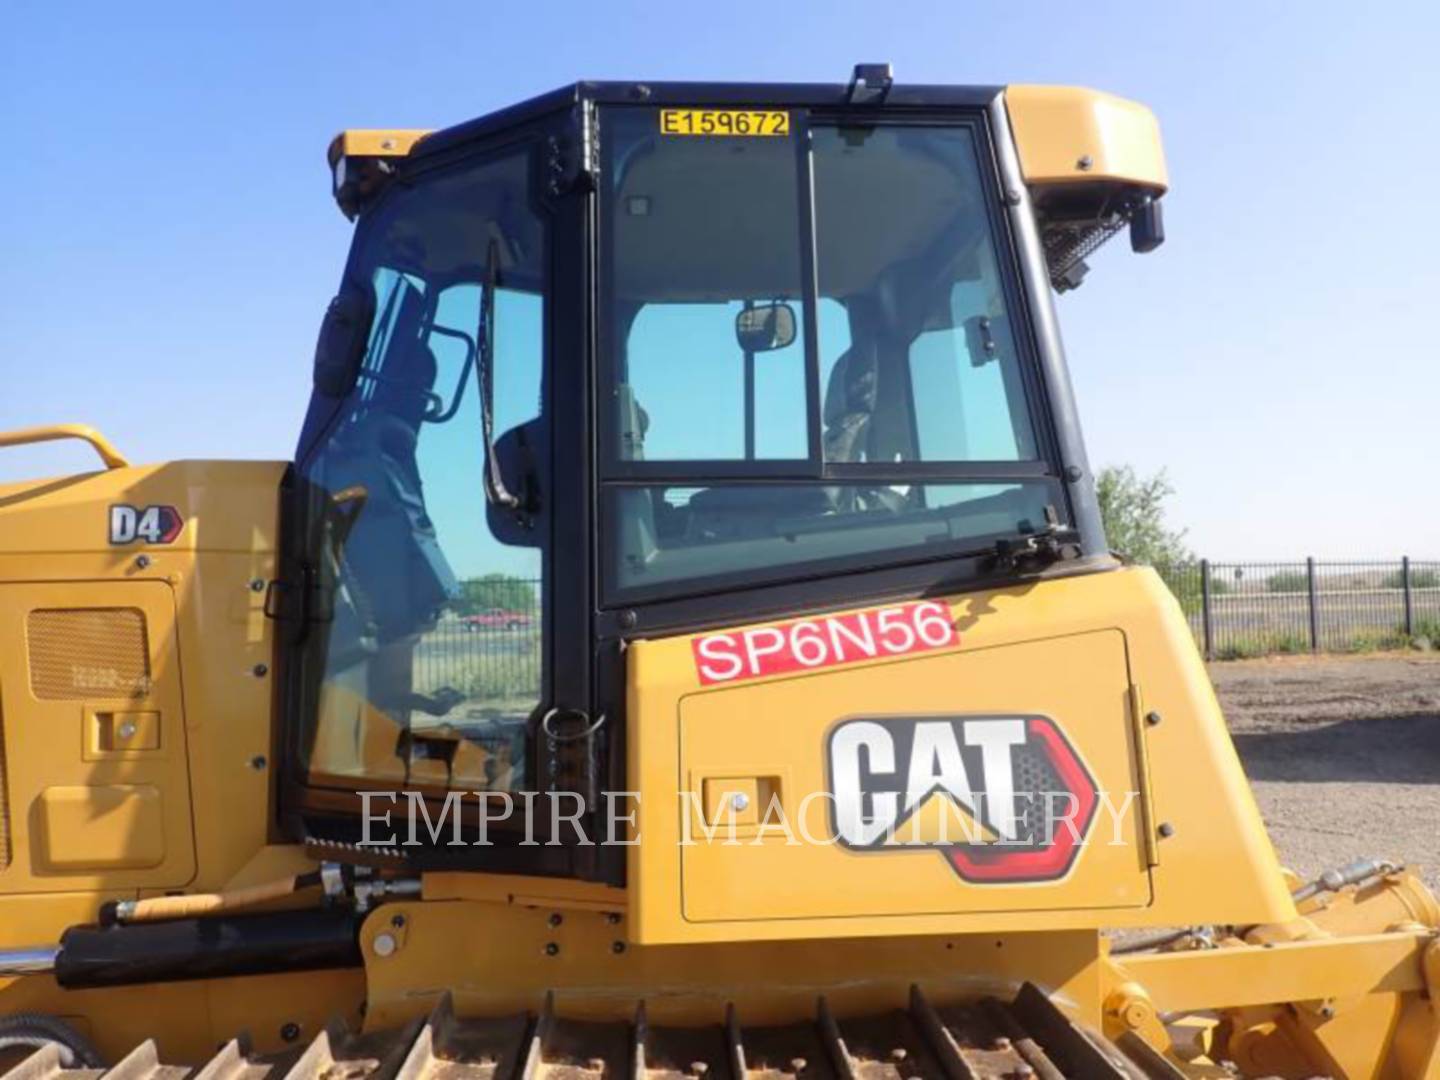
(628, 619)
(127, 730)
(551, 949)
(1153, 719)
(1073, 473)
(1085, 163)
(257, 762)
(899, 1054)
(617, 947)
(1327, 1011)
(740, 801)
(556, 919)
(257, 584)
(260, 670)
(699, 1068)
(290, 1032)
(384, 944)
(642, 91)
(1166, 830)
(1002, 1043)
(398, 922)
(797, 1065)
(142, 561)
(613, 918)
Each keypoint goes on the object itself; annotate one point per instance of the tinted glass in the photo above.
(699, 226)
(432, 659)
(926, 369)
(671, 533)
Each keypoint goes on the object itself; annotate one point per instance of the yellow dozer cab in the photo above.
(685, 644)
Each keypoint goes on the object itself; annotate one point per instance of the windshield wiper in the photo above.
(496, 493)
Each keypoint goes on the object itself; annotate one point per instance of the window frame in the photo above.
(318, 808)
(614, 473)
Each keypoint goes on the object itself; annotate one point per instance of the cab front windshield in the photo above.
(897, 425)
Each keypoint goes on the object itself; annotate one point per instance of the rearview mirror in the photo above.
(765, 327)
(341, 345)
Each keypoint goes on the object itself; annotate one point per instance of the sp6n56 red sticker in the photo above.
(824, 641)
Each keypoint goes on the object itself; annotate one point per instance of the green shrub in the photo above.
(1419, 579)
(1286, 642)
(1287, 581)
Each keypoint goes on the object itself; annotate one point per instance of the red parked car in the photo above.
(496, 619)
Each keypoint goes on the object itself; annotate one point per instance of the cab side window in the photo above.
(432, 662)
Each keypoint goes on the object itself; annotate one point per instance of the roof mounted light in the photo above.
(362, 161)
(869, 84)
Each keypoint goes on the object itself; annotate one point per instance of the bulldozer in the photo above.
(684, 644)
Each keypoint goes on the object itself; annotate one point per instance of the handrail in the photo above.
(112, 458)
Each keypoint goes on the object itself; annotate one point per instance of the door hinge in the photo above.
(572, 157)
(1140, 724)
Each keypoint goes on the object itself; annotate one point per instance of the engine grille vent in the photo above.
(87, 653)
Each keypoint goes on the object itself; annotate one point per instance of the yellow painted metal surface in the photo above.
(1069, 135)
(95, 821)
(111, 457)
(1071, 649)
(374, 142)
(496, 957)
(95, 827)
(201, 738)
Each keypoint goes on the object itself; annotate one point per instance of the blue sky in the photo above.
(170, 242)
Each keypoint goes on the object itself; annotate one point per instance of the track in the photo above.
(987, 1040)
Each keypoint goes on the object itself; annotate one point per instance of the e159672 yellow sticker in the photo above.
(724, 122)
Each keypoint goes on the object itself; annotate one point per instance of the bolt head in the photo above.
(290, 1032)
(384, 944)
(551, 949)
(127, 730)
(1086, 163)
(257, 584)
(260, 670)
(1166, 830)
(1152, 718)
(740, 801)
(258, 762)
(142, 561)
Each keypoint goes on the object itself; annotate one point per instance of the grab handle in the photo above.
(48, 432)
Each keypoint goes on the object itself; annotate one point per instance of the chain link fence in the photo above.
(1241, 609)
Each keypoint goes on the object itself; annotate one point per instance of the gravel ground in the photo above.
(1343, 753)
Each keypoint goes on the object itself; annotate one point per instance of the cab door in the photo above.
(96, 782)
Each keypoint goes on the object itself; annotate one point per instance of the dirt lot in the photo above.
(1344, 754)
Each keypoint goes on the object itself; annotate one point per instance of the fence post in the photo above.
(1314, 604)
(1207, 629)
(1409, 600)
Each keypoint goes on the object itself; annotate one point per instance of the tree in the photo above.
(504, 591)
(1133, 509)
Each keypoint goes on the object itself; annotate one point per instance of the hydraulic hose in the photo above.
(193, 905)
(34, 1031)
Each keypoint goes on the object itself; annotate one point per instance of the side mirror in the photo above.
(765, 327)
(341, 345)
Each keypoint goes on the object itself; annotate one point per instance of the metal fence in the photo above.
(487, 644)
(1239, 609)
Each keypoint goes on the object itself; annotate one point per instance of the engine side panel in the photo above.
(875, 737)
